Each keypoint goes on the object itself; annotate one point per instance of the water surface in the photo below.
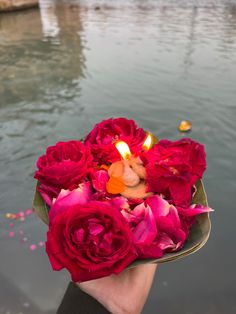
(65, 67)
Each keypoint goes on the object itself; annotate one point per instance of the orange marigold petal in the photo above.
(115, 185)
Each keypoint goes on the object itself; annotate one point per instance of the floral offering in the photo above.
(119, 198)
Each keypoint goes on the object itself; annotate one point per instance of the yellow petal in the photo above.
(185, 126)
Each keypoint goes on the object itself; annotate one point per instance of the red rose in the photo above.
(91, 241)
(103, 136)
(174, 167)
(64, 166)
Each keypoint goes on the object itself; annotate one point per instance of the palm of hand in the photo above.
(125, 293)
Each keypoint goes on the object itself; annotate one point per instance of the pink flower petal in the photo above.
(99, 180)
(159, 206)
(11, 234)
(95, 228)
(46, 192)
(166, 225)
(120, 202)
(144, 229)
(194, 210)
(33, 247)
(165, 242)
(28, 212)
(174, 216)
(68, 198)
(149, 251)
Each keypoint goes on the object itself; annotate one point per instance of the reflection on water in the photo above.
(65, 67)
(49, 19)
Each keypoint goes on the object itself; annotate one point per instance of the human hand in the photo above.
(125, 293)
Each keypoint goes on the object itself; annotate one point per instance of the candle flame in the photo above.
(148, 142)
(123, 149)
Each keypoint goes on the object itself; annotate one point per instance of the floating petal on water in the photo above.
(11, 234)
(185, 126)
(33, 247)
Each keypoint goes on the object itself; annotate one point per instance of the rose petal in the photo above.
(99, 180)
(165, 242)
(119, 202)
(142, 223)
(67, 198)
(159, 206)
(194, 210)
(149, 251)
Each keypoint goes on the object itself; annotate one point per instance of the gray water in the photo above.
(64, 68)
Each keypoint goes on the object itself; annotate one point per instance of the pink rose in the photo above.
(143, 225)
(171, 235)
(91, 241)
(64, 166)
(156, 227)
(173, 168)
(103, 136)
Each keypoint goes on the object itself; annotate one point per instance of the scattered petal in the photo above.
(33, 247)
(11, 234)
(10, 216)
(28, 212)
(25, 239)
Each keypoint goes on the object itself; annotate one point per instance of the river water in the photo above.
(64, 67)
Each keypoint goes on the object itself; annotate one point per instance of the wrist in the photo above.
(109, 300)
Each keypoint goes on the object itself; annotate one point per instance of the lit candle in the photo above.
(122, 169)
(148, 142)
(123, 149)
(126, 175)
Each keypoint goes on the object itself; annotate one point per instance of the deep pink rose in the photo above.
(91, 241)
(103, 136)
(173, 168)
(64, 166)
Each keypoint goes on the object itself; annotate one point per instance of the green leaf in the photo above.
(40, 207)
(200, 196)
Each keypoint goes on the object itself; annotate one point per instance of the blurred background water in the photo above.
(70, 64)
